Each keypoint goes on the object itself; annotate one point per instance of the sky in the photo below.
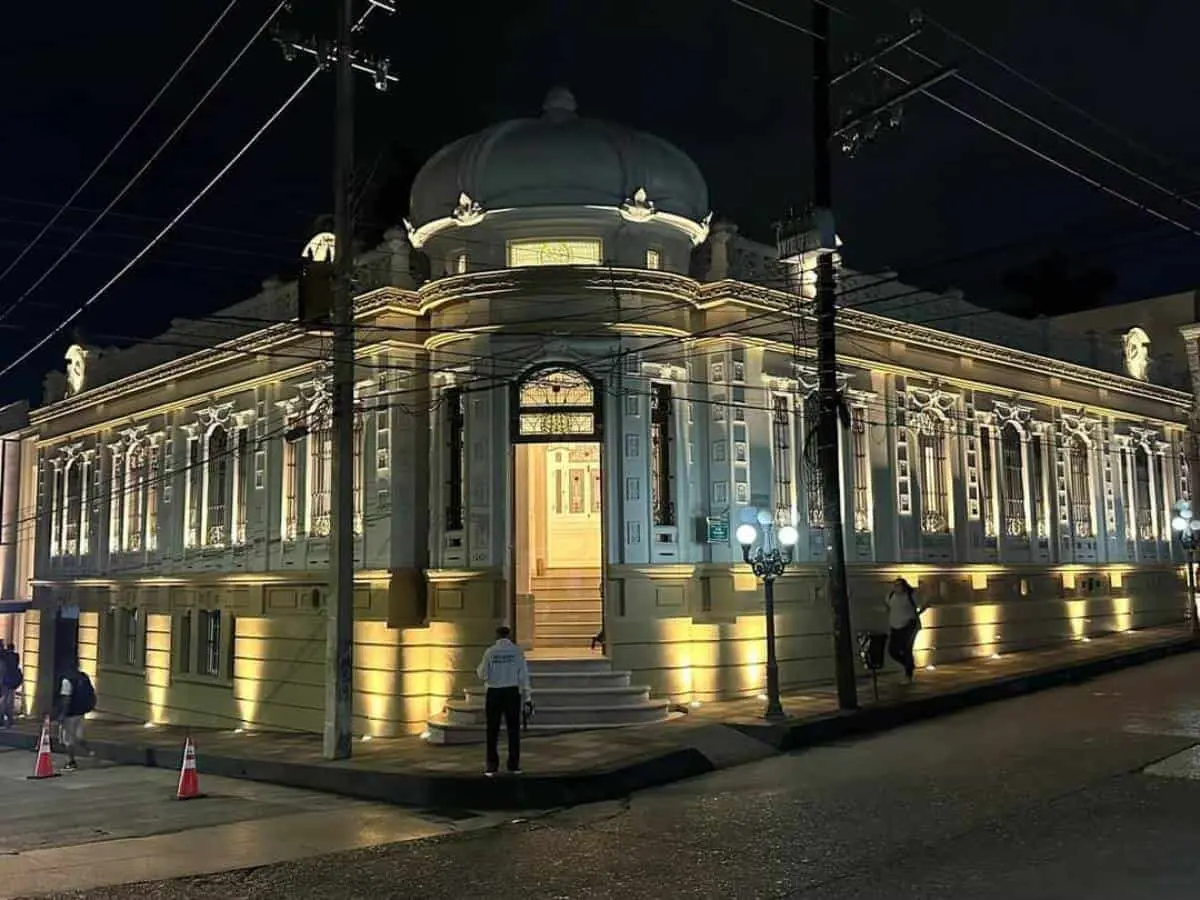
(942, 200)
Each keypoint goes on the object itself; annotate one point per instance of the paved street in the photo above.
(106, 824)
(1040, 797)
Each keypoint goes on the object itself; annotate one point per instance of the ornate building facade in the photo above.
(560, 425)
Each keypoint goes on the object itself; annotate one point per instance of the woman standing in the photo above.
(904, 621)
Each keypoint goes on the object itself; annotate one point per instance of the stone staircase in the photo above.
(569, 694)
(567, 608)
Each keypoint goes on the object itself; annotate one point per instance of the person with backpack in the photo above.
(11, 679)
(76, 698)
(904, 621)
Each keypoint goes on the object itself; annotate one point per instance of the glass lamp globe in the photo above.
(1186, 512)
(764, 517)
(788, 536)
(1179, 523)
(746, 535)
(1195, 525)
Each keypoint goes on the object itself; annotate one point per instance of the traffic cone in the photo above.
(44, 767)
(189, 781)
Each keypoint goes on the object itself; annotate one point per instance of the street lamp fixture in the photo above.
(1187, 528)
(768, 551)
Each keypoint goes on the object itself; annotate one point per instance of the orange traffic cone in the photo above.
(189, 781)
(44, 767)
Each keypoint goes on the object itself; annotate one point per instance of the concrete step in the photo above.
(589, 594)
(439, 731)
(605, 696)
(547, 680)
(566, 617)
(463, 712)
(547, 634)
(587, 604)
(571, 665)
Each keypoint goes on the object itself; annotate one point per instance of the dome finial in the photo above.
(559, 103)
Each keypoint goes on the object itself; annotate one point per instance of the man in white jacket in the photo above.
(504, 671)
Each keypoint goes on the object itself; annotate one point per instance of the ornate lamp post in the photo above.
(1187, 529)
(768, 560)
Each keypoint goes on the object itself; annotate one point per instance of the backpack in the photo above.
(83, 695)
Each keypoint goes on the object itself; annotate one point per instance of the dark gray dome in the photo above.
(557, 159)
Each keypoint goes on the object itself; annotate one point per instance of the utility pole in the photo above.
(829, 398)
(339, 642)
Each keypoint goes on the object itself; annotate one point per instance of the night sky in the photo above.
(727, 86)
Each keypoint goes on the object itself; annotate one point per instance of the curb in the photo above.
(872, 720)
(535, 792)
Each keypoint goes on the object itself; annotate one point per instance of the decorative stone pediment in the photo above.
(213, 416)
(932, 400)
(1079, 425)
(638, 208)
(467, 212)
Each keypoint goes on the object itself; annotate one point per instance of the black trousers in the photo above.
(900, 647)
(503, 703)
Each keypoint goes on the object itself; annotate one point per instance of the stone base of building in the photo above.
(692, 633)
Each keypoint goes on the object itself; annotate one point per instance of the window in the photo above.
(781, 459)
(455, 450)
(460, 264)
(123, 638)
(814, 484)
(241, 463)
(135, 496)
(653, 259)
(85, 503)
(1037, 480)
(1079, 486)
(73, 504)
(1012, 481)
(193, 497)
(862, 470)
(359, 436)
(153, 477)
(116, 493)
(562, 252)
(661, 476)
(168, 469)
(55, 507)
(291, 484)
(987, 471)
(1143, 503)
(183, 654)
(557, 403)
(383, 443)
(935, 483)
(204, 644)
(208, 647)
(320, 474)
(216, 485)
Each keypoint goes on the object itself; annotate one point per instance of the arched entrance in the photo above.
(558, 508)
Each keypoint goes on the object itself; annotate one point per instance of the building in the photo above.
(18, 519)
(561, 425)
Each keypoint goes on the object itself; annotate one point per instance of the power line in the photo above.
(117, 146)
(58, 329)
(153, 157)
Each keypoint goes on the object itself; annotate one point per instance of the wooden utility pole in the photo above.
(829, 397)
(339, 649)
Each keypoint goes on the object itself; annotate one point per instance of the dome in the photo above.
(557, 159)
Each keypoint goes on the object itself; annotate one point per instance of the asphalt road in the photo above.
(1040, 797)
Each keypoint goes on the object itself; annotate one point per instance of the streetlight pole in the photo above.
(1187, 527)
(768, 563)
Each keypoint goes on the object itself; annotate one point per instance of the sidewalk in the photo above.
(563, 770)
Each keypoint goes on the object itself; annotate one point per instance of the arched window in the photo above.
(216, 480)
(814, 484)
(73, 504)
(135, 491)
(1012, 481)
(1143, 504)
(1079, 486)
(556, 404)
(320, 471)
(935, 480)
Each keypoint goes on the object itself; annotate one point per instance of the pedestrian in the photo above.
(904, 621)
(76, 698)
(505, 673)
(11, 680)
